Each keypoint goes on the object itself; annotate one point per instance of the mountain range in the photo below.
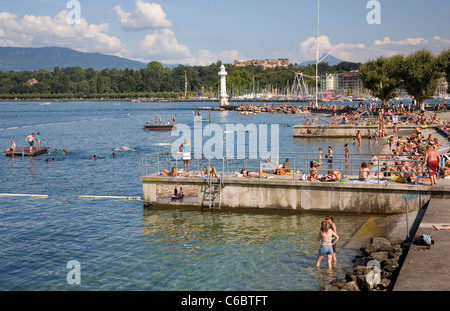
(33, 59)
(330, 59)
(21, 59)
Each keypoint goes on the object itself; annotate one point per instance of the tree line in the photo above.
(152, 81)
(418, 74)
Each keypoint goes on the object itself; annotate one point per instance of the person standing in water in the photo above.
(329, 220)
(326, 247)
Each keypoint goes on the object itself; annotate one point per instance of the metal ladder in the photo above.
(212, 189)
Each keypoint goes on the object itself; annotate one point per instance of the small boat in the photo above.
(150, 127)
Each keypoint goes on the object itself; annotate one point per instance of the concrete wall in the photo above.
(271, 194)
(344, 130)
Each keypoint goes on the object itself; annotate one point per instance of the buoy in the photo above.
(23, 195)
(109, 197)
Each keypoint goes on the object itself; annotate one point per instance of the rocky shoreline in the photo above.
(375, 269)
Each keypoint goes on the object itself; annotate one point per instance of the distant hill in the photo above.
(21, 59)
(330, 59)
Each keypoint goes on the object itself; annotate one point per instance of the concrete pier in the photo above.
(426, 269)
(283, 193)
(338, 131)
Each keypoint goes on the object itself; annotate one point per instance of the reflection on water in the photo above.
(122, 247)
(240, 251)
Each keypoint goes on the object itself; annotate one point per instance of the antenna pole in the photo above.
(317, 55)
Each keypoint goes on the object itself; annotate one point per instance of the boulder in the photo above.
(379, 256)
(390, 265)
(330, 288)
(351, 287)
(361, 270)
(378, 244)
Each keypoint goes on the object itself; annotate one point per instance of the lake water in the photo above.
(119, 244)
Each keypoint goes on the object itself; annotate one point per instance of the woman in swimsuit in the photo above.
(326, 248)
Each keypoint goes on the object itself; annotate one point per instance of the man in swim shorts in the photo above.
(432, 160)
(30, 139)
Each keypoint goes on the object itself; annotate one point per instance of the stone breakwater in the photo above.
(375, 269)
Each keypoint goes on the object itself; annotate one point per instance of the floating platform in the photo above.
(158, 127)
(25, 151)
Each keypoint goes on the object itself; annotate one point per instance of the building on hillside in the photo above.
(265, 63)
(32, 81)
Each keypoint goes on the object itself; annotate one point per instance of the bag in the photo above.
(426, 240)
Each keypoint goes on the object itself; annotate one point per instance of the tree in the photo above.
(420, 73)
(381, 76)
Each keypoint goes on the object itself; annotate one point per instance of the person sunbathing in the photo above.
(212, 171)
(313, 173)
(256, 174)
(276, 168)
(174, 172)
(364, 172)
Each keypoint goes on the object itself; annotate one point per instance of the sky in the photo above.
(201, 32)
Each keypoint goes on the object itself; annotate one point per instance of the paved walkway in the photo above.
(429, 270)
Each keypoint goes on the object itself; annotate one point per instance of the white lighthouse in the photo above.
(223, 86)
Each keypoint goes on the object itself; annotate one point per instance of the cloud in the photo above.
(360, 52)
(206, 57)
(41, 31)
(146, 16)
(163, 43)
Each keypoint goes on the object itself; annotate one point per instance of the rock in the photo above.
(359, 261)
(384, 283)
(350, 277)
(373, 278)
(375, 269)
(351, 286)
(361, 270)
(378, 244)
(331, 288)
(339, 283)
(390, 265)
(361, 282)
(379, 256)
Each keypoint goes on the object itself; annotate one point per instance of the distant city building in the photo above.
(329, 82)
(350, 81)
(266, 63)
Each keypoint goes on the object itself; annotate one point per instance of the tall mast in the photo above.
(185, 84)
(317, 55)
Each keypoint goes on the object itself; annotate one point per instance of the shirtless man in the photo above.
(432, 160)
(30, 140)
(364, 172)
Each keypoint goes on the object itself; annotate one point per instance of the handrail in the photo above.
(299, 162)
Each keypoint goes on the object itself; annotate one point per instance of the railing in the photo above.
(299, 164)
